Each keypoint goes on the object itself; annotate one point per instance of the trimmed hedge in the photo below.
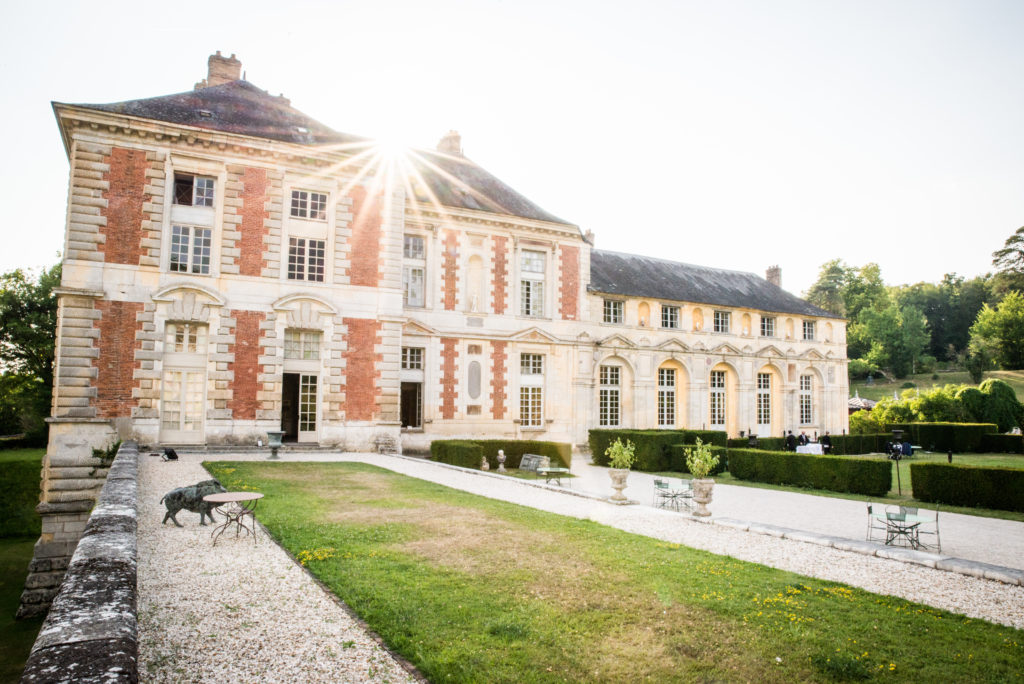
(763, 443)
(975, 486)
(457, 452)
(652, 446)
(848, 445)
(959, 437)
(468, 453)
(1003, 444)
(19, 494)
(872, 477)
(560, 453)
(677, 458)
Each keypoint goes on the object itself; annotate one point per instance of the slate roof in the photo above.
(639, 276)
(240, 107)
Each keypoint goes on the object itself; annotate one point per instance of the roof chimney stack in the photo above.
(774, 276)
(221, 70)
(451, 144)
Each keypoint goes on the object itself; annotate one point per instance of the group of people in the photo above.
(793, 441)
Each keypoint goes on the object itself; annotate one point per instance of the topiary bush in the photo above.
(457, 452)
(1001, 405)
(469, 452)
(974, 486)
(652, 446)
(872, 477)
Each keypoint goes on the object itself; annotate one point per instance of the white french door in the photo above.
(181, 409)
(307, 408)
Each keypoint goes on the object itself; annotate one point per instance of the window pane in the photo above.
(201, 243)
(532, 262)
(412, 286)
(296, 259)
(670, 316)
(179, 248)
(318, 206)
(203, 192)
(413, 247)
(315, 261)
(300, 203)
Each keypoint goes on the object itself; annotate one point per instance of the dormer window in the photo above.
(193, 191)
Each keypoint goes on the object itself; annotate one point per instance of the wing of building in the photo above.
(233, 266)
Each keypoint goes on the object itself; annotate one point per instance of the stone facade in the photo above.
(229, 274)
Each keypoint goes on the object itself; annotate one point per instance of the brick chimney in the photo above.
(221, 70)
(451, 144)
(774, 276)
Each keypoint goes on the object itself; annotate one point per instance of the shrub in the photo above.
(19, 494)
(621, 456)
(700, 459)
(457, 452)
(960, 437)
(872, 477)
(973, 402)
(1001, 405)
(652, 446)
(961, 485)
(560, 453)
(1002, 444)
(865, 422)
(677, 459)
(848, 445)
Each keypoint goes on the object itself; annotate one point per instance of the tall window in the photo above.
(306, 259)
(809, 330)
(722, 319)
(613, 311)
(184, 381)
(302, 344)
(193, 191)
(412, 358)
(190, 249)
(669, 316)
(666, 397)
(609, 394)
(414, 270)
(764, 399)
(531, 283)
(767, 326)
(806, 388)
(531, 390)
(309, 205)
(717, 399)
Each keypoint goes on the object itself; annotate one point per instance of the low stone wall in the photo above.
(91, 632)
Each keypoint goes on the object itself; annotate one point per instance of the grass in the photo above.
(471, 589)
(894, 496)
(880, 388)
(16, 636)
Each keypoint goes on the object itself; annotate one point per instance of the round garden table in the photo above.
(237, 509)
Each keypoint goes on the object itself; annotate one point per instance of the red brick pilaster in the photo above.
(254, 215)
(498, 383)
(116, 362)
(568, 295)
(362, 374)
(449, 357)
(449, 268)
(125, 198)
(365, 240)
(246, 349)
(499, 269)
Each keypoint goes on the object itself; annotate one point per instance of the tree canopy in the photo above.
(999, 332)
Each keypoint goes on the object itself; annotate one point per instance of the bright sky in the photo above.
(736, 134)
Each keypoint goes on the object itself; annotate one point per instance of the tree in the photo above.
(897, 335)
(999, 332)
(1010, 262)
(28, 323)
(827, 291)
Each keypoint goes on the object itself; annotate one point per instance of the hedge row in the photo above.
(677, 458)
(872, 477)
(31, 441)
(1003, 444)
(19, 494)
(850, 445)
(958, 437)
(652, 446)
(468, 453)
(975, 486)
(764, 443)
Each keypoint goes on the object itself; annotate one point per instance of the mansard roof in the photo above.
(241, 108)
(639, 276)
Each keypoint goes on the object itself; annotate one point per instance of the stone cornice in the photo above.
(429, 213)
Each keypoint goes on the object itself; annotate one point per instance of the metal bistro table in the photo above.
(237, 509)
(555, 474)
(901, 526)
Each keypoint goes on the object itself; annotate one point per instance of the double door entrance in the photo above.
(299, 407)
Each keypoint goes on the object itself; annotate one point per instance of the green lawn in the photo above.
(471, 589)
(16, 636)
(880, 388)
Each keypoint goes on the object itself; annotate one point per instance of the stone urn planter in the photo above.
(618, 476)
(702, 495)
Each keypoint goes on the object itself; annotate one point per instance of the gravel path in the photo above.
(237, 612)
(248, 613)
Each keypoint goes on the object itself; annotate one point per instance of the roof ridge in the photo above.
(682, 263)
